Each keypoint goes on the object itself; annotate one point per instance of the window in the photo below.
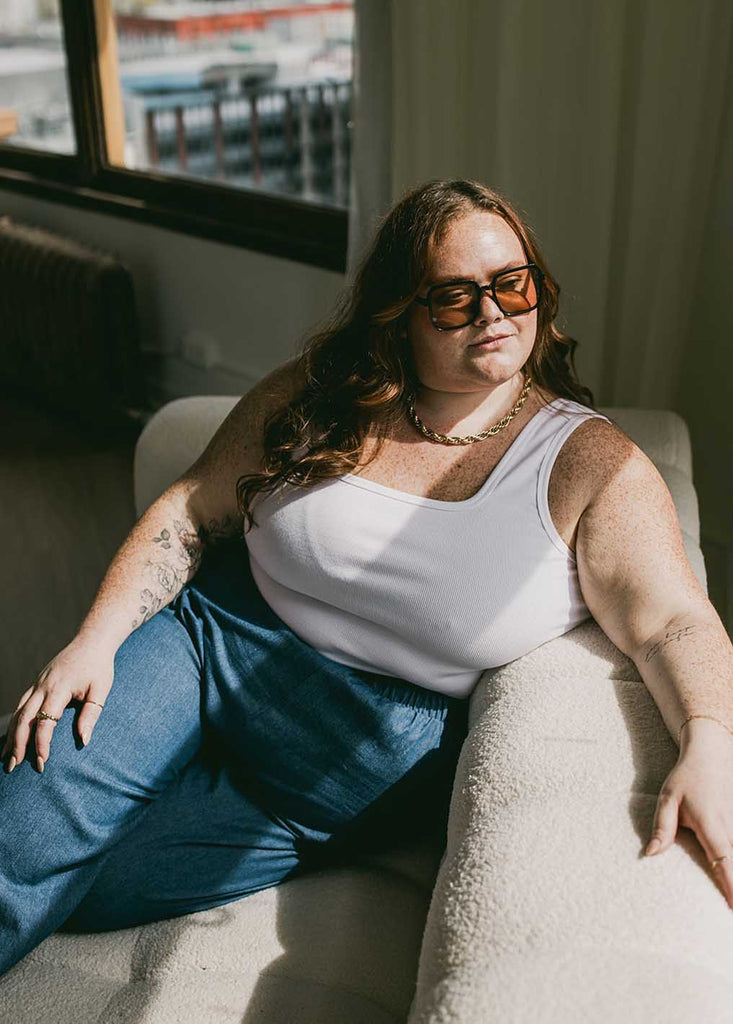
(35, 108)
(226, 118)
(257, 96)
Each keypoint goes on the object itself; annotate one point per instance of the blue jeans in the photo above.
(230, 756)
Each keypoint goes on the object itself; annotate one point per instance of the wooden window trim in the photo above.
(280, 226)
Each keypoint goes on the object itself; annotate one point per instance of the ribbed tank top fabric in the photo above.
(430, 591)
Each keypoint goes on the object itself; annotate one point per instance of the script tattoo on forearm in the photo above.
(674, 635)
(171, 573)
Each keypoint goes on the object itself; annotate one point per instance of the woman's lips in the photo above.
(491, 343)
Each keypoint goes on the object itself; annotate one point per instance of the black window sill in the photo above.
(281, 226)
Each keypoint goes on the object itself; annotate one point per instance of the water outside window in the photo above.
(34, 94)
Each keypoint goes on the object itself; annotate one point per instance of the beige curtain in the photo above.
(609, 124)
(371, 165)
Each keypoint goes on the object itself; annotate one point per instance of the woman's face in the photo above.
(475, 247)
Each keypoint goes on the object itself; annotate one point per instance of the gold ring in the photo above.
(94, 702)
(41, 716)
(718, 860)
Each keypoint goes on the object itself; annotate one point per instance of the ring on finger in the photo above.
(94, 702)
(718, 860)
(42, 716)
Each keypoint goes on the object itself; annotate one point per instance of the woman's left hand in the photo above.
(698, 794)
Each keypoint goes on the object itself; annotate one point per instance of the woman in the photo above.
(426, 492)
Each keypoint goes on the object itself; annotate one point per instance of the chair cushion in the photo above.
(545, 908)
(337, 945)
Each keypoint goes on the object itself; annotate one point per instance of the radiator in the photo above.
(69, 336)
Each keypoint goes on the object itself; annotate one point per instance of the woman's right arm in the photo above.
(162, 552)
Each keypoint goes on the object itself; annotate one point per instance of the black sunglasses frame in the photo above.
(537, 275)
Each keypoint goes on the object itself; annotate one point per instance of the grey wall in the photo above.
(215, 318)
(705, 396)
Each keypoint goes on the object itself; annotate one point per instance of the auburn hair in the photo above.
(358, 368)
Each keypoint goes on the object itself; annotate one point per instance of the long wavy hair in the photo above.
(358, 369)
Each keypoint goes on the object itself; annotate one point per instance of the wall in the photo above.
(705, 396)
(215, 318)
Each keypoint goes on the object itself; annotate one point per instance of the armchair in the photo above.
(539, 908)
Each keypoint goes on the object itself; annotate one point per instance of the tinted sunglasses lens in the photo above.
(453, 305)
(517, 291)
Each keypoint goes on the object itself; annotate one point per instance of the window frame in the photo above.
(281, 226)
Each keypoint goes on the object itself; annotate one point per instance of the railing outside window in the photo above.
(291, 140)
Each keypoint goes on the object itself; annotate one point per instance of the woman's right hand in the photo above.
(80, 671)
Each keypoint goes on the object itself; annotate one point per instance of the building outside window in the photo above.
(35, 108)
(251, 94)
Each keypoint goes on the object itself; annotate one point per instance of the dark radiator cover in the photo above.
(69, 334)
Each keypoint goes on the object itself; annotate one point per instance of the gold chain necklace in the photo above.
(468, 438)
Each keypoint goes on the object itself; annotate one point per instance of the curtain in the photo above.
(371, 170)
(608, 124)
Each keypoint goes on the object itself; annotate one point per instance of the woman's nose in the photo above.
(488, 310)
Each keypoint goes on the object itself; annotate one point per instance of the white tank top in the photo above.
(430, 591)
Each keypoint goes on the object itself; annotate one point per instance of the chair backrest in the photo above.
(172, 439)
(178, 432)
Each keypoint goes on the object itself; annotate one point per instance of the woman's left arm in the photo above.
(641, 589)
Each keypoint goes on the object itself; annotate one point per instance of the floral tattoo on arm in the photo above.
(171, 572)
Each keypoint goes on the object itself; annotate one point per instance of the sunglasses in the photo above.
(457, 304)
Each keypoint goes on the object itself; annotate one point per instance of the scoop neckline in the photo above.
(488, 485)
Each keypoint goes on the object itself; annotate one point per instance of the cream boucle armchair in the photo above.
(541, 908)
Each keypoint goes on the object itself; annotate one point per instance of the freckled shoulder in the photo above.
(590, 457)
(632, 567)
(595, 451)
